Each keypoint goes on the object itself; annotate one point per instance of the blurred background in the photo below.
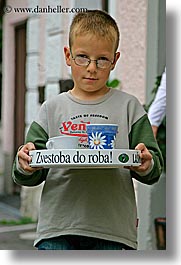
(32, 69)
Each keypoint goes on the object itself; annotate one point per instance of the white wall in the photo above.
(131, 70)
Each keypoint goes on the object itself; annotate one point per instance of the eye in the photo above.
(82, 55)
(103, 59)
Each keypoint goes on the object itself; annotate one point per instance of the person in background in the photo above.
(157, 110)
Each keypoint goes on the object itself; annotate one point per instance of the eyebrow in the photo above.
(86, 53)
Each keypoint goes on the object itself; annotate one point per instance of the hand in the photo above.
(24, 158)
(146, 158)
(155, 130)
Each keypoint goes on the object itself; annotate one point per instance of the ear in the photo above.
(117, 55)
(67, 55)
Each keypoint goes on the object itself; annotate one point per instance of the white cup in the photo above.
(63, 142)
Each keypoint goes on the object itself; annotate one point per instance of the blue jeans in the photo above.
(74, 242)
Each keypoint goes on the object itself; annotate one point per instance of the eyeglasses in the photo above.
(83, 60)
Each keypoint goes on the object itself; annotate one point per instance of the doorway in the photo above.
(20, 90)
(20, 87)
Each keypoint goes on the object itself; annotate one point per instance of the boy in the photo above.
(90, 208)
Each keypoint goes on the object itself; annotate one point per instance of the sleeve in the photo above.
(141, 132)
(39, 137)
(157, 110)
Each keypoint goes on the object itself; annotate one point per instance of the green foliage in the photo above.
(22, 221)
(113, 83)
(154, 91)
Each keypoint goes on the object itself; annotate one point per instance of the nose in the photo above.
(92, 67)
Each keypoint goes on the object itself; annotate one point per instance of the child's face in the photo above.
(90, 81)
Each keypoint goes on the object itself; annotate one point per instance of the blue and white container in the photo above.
(101, 136)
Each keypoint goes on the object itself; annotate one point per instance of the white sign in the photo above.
(84, 158)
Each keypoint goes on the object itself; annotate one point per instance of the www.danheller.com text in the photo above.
(84, 157)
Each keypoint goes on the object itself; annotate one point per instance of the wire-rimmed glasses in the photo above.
(83, 60)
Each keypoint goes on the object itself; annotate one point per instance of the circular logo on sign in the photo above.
(124, 158)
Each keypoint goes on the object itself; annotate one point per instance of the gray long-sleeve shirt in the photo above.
(90, 202)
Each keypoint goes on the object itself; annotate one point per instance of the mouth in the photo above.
(90, 78)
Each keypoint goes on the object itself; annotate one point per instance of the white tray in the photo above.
(84, 158)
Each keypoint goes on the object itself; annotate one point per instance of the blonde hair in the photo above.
(96, 22)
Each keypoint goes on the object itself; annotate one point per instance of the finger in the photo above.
(28, 147)
(36, 168)
(24, 152)
(24, 161)
(25, 166)
(146, 156)
(30, 169)
(127, 167)
(140, 147)
(24, 156)
(143, 167)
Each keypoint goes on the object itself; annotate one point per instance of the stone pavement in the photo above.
(14, 237)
